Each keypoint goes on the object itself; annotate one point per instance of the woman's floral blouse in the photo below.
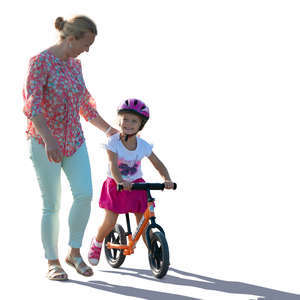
(56, 89)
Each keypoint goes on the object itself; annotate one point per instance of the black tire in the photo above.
(158, 254)
(115, 257)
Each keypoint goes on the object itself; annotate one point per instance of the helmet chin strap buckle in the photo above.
(127, 136)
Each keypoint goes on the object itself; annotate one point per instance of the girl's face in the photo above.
(130, 123)
(80, 45)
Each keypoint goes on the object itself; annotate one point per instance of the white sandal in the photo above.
(56, 272)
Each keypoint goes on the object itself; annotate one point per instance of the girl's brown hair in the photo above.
(76, 26)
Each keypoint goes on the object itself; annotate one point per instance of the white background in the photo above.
(222, 82)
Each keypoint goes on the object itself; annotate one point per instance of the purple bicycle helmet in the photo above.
(136, 107)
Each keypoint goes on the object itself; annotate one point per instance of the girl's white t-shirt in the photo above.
(129, 161)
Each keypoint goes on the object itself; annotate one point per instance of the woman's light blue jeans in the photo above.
(78, 172)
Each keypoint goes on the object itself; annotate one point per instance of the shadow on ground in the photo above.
(198, 281)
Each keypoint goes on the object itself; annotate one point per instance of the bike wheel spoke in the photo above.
(159, 253)
(115, 251)
(114, 238)
(157, 260)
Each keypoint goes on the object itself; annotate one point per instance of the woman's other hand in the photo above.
(52, 150)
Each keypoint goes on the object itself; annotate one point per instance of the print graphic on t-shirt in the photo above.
(129, 161)
(128, 168)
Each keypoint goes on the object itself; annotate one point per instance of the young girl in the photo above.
(125, 151)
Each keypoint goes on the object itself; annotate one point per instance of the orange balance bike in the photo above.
(119, 243)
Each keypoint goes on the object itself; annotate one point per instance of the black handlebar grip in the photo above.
(145, 186)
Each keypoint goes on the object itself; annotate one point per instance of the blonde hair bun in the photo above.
(76, 26)
(59, 23)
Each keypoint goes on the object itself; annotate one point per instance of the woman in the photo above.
(55, 96)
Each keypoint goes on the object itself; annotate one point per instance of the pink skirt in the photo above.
(124, 201)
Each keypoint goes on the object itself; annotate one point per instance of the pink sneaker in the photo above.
(94, 253)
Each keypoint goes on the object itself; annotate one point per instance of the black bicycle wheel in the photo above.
(115, 257)
(158, 254)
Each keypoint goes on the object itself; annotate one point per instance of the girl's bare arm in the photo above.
(115, 171)
(161, 168)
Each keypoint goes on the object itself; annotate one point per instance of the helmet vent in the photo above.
(127, 102)
(135, 102)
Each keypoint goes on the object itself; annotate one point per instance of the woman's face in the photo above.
(76, 47)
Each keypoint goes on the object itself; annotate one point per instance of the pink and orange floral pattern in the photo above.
(56, 89)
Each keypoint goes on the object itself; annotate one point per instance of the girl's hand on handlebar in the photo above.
(126, 185)
(169, 185)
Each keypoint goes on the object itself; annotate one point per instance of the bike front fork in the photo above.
(152, 225)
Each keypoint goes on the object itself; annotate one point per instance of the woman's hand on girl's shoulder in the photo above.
(111, 132)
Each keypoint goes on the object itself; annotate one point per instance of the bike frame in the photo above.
(144, 222)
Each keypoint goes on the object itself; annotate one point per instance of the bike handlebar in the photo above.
(146, 186)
